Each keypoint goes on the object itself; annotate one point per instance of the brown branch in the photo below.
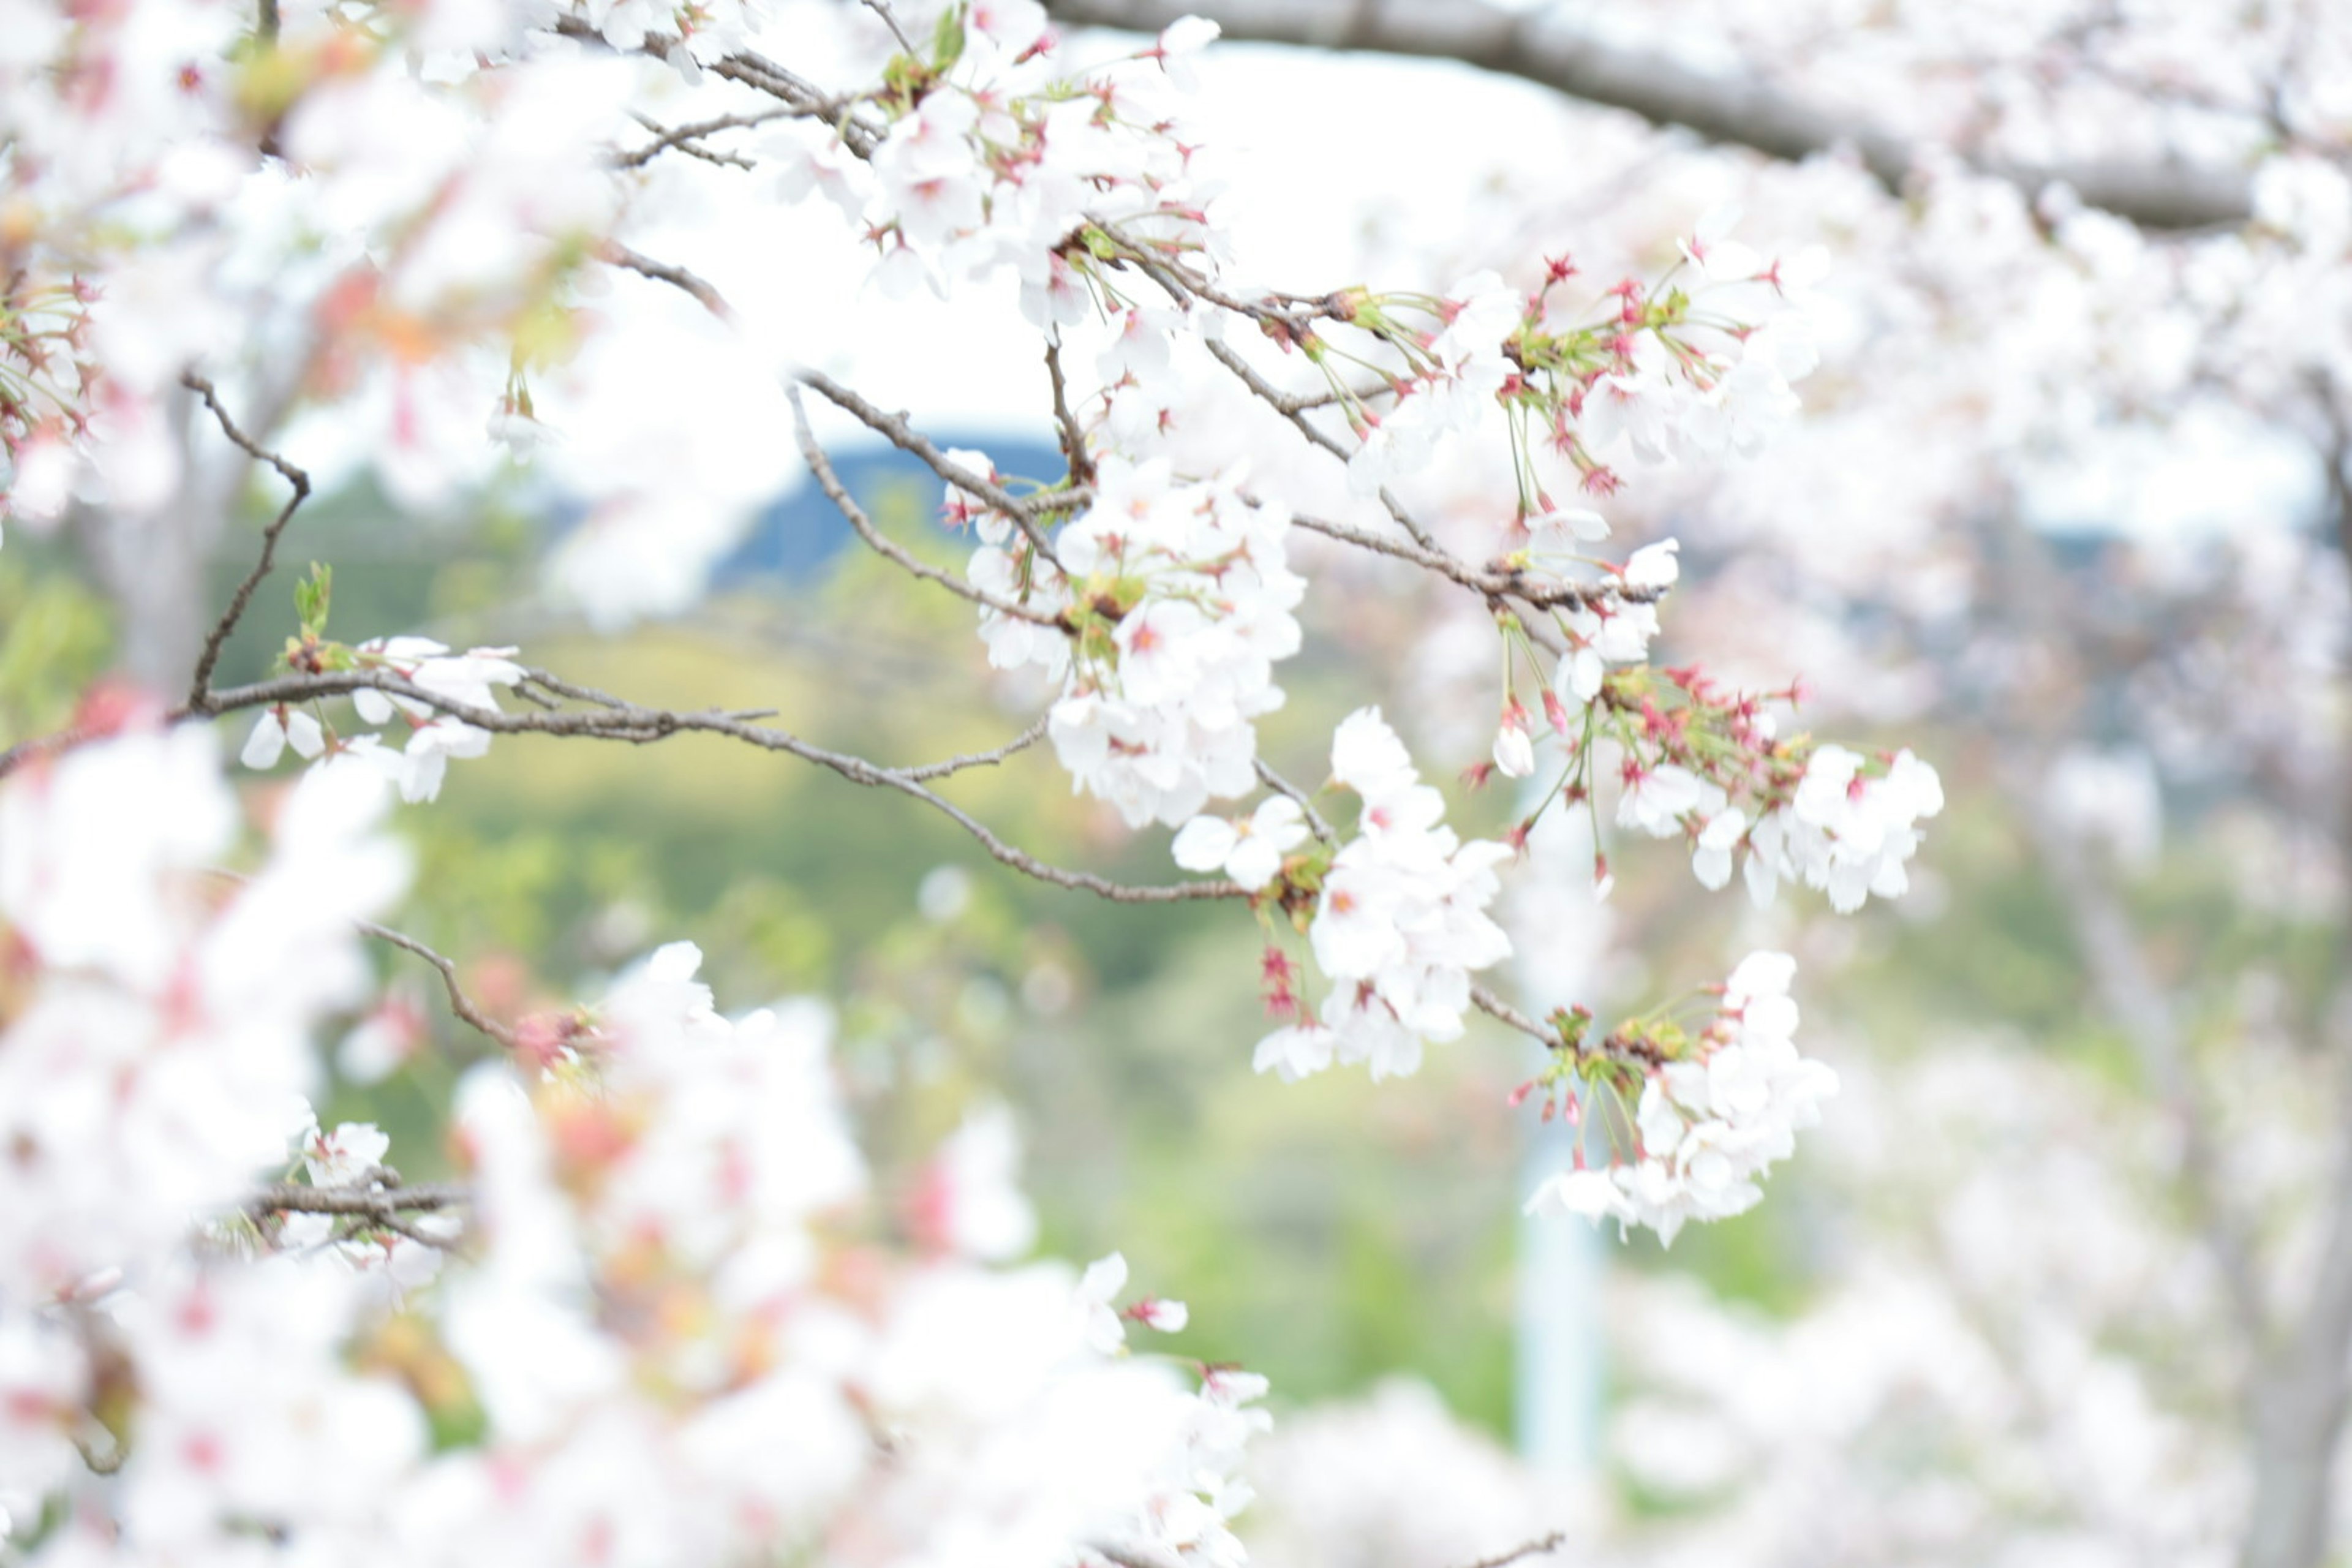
(890, 549)
(1535, 1548)
(1019, 743)
(615, 719)
(900, 433)
(765, 75)
(1493, 582)
(1074, 444)
(32, 747)
(1742, 112)
(301, 481)
(463, 1006)
(882, 9)
(1283, 786)
(1296, 412)
(618, 255)
(369, 1200)
(1494, 1006)
(680, 136)
(378, 1199)
(2137, 1001)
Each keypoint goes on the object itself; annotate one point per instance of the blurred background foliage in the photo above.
(1327, 1233)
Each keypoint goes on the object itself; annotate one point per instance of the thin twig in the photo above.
(896, 428)
(890, 549)
(1486, 1002)
(619, 720)
(680, 135)
(296, 477)
(754, 70)
(1276, 398)
(1074, 442)
(708, 298)
(1021, 743)
(383, 1206)
(1494, 581)
(1536, 1548)
(463, 1006)
(882, 9)
(1283, 786)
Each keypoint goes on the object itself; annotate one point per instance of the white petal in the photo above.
(266, 744)
(1204, 843)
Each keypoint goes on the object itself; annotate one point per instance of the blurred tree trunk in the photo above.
(156, 568)
(1741, 111)
(2305, 1379)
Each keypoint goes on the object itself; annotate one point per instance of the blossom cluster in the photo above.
(433, 737)
(1398, 922)
(661, 1333)
(1697, 364)
(155, 1026)
(992, 157)
(425, 189)
(1713, 1112)
(1166, 604)
(1710, 766)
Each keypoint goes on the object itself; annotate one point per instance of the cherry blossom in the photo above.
(1709, 1118)
(1398, 922)
(160, 1061)
(1249, 848)
(1177, 597)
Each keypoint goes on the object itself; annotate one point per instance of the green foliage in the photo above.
(54, 636)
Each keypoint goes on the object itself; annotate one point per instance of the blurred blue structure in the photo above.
(797, 537)
(1560, 1362)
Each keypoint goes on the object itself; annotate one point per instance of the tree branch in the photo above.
(1742, 112)
(682, 137)
(888, 548)
(367, 1200)
(463, 1006)
(708, 298)
(1535, 1548)
(301, 481)
(614, 719)
(378, 1199)
(901, 434)
(1299, 797)
(2132, 996)
(1494, 1006)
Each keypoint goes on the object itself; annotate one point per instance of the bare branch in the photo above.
(378, 1199)
(1295, 410)
(1280, 786)
(882, 9)
(1495, 582)
(1743, 111)
(708, 298)
(2137, 1001)
(367, 1199)
(888, 548)
(26, 750)
(1021, 743)
(805, 97)
(900, 433)
(296, 477)
(681, 136)
(1535, 1548)
(1494, 1007)
(615, 719)
(463, 1006)
(1074, 444)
